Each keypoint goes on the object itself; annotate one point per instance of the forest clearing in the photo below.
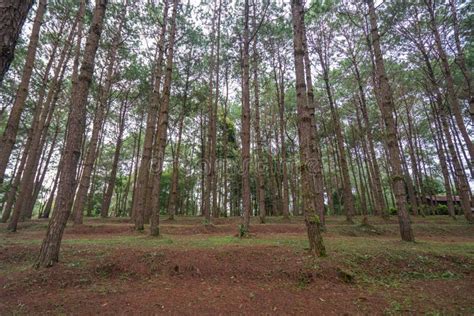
(108, 268)
(210, 157)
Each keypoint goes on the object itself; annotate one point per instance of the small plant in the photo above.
(441, 209)
(243, 232)
(393, 211)
(304, 279)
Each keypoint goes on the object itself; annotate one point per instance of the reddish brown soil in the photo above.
(233, 279)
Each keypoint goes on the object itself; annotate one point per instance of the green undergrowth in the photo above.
(335, 244)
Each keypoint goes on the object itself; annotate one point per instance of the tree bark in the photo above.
(450, 87)
(437, 135)
(260, 181)
(379, 204)
(346, 183)
(9, 134)
(13, 14)
(49, 253)
(141, 188)
(100, 116)
(387, 108)
(280, 90)
(43, 115)
(162, 128)
(245, 133)
(315, 161)
(443, 113)
(172, 205)
(104, 209)
(460, 59)
(306, 130)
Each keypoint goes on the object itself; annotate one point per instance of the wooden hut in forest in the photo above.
(442, 199)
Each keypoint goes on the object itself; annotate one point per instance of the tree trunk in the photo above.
(135, 172)
(460, 59)
(104, 209)
(162, 128)
(450, 86)
(172, 205)
(225, 137)
(49, 253)
(459, 176)
(280, 88)
(43, 115)
(215, 209)
(315, 160)
(245, 133)
(11, 194)
(91, 156)
(346, 183)
(260, 180)
(380, 207)
(210, 185)
(42, 174)
(9, 134)
(49, 203)
(141, 188)
(306, 130)
(13, 14)
(387, 108)
(437, 135)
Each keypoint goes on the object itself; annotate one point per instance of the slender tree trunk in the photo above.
(280, 88)
(210, 185)
(215, 210)
(39, 183)
(88, 167)
(315, 160)
(49, 204)
(410, 188)
(225, 137)
(104, 209)
(135, 172)
(9, 134)
(346, 184)
(413, 187)
(443, 113)
(141, 188)
(437, 135)
(380, 207)
(13, 14)
(16, 177)
(162, 128)
(245, 133)
(41, 122)
(260, 181)
(10, 183)
(363, 187)
(364, 161)
(387, 107)
(450, 87)
(460, 59)
(49, 253)
(306, 132)
(172, 205)
(463, 185)
(91, 156)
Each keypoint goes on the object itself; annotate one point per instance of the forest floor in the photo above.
(106, 267)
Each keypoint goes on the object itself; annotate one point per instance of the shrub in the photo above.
(393, 211)
(441, 209)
